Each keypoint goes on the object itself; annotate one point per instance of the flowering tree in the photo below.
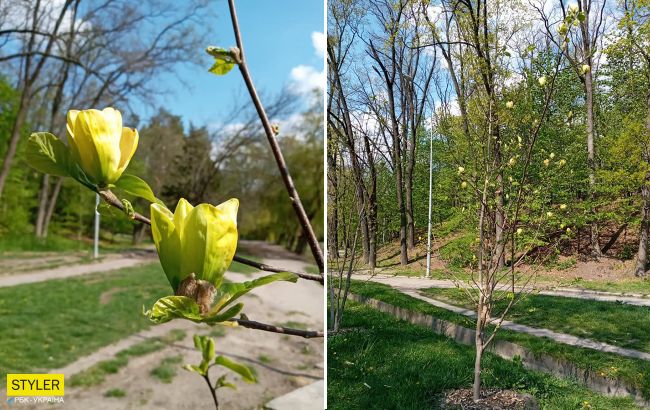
(196, 244)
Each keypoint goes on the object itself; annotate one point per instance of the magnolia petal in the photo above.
(209, 243)
(128, 145)
(113, 120)
(167, 241)
(183, 208)
(229, 209)
(97, 145)
(72, 117)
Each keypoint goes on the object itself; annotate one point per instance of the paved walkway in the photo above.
(423, 283)
(412, 286)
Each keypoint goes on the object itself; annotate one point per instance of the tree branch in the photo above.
(251, 324)
(275, 147)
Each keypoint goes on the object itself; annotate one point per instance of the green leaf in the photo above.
(48, 154)
(192, 368)
(199, 341)
(221, 67)
(221, 382)
(135, 186)
(224, 60)
(581, 16)
(208, 350)
(182, 307)
(229, 292)
(244, 371)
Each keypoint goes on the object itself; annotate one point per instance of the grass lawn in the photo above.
(641, 286)
(50, 324)
(613, 323)
(634, 372)
(390, 364)
(245, 269)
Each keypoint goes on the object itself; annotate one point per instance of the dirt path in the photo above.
(107, 263)
(423, 283)
(282, 363)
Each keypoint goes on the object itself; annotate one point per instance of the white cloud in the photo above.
(319, 42)
(305, 78)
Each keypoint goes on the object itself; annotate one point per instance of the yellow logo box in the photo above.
(34, 385)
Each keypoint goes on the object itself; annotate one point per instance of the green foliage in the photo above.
(459, 252)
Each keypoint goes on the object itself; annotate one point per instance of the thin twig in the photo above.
(267, 268)
(251, 324)
(212, 390)
(112, 200)
(307, 229)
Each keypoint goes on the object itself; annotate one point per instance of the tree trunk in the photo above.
(478, 340)
(410, 165)
(589, 102)
(15, 137)
(52, 205)
(642, 254)
(43, 196)
(371, 206)
(332, 211)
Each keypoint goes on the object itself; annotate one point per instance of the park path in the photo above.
(568, 292)
(412, 287)
(283, 363)
(108, 263)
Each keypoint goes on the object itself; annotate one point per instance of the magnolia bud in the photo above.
(510, 104)
(542, 80)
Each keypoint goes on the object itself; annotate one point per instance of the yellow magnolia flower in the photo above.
(510, 104)
(201, 240)
(99, 143)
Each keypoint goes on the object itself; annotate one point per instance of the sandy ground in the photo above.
(283, 363)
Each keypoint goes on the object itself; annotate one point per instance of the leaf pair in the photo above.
(224, 60)
(205, 344)
(182, 307)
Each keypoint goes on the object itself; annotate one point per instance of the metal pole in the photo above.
(430, 191)
(96, 252)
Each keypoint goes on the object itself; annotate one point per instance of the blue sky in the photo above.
(280, 46)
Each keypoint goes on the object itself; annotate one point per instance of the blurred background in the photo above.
(199, 135)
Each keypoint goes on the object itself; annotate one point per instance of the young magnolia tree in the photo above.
(196, 243)
(504, 88)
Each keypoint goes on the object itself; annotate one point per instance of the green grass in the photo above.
(97, 373)
(22, 243)
(614, 323)
(458, 252)
(166, 370)
(115, 393)
(641, 286)
(634, 372)
(245, 269)
(265, 359)
(386, 363)
(312, 269)
(50, 324)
